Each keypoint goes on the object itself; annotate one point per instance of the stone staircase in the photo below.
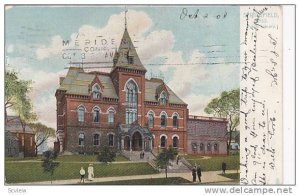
(182, 166)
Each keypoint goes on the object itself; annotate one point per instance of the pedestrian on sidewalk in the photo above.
(223, 167)
(194, 174)
(90, 172)
(82, 173)
(199, 174)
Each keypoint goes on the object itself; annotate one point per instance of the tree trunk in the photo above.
(166, 171)
(36, 150)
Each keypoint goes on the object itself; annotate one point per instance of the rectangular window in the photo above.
(163, 121)
(111, 140)
(151, 121)
(96, 116)
(81, 139)
(96, 140)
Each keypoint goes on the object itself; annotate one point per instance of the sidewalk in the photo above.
(207, 177)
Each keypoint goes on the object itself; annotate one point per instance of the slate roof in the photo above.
(79, 83)
(151, 87)
(127, 48)
(14, 125)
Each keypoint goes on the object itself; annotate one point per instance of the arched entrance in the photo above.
(137, 141)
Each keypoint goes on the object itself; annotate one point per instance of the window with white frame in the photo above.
(111, 116)
(80, 113)
(81, 139)
(96, 90)
(175, 120)
(163, 120)
(163, 98)
(110, 139)
(96, 115)
(150, 120)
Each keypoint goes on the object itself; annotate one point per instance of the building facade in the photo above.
(121, 109)
(18, 141)
(207, 135)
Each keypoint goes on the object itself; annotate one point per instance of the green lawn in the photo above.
(214, 163)
(18, 172)
(153, 181)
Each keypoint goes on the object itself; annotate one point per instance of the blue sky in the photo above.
(198, 58)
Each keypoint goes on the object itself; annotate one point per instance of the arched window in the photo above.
(81, 139)
(175, 142)
(201, 146)
(163, 141)
(208, 147)
(111, 116)
(215, 147)
(96, 139)
(175, 120)
(131, 93)
(163, 98)
(80, 113)
(150, 120)
(96, 90)
(96, 115)
(110, 139)
(163, 120)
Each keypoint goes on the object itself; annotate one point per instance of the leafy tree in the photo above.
(49, 164)
(106, 154)
(42, 134)
(163, 158)
(227, 106)
(16, 98)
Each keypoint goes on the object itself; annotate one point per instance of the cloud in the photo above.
(54, 49)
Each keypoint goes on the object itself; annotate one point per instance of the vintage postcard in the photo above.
(143, 95)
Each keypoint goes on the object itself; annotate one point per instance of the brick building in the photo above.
(18, 142)
(207, 135)
(121, 109)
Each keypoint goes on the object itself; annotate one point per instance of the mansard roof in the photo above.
(79, 82)
(154, 85)
(126, 49)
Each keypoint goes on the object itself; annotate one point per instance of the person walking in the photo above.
(90, 172)
(223, 167)
(199, 174)
(82, 173)
(194, 174)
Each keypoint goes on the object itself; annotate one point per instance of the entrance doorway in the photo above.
(137, 141)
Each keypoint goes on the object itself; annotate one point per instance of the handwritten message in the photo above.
(261, 95)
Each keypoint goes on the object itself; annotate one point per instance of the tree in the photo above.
(49, 164)
(163, 158)
(106, 154)
(16, 98)
(227, 106)
(42, 134)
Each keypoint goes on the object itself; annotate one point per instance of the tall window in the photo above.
(80, 112)
(175, 142)
(201, 146)
(110, 116)
(163, 141)
(175, 121)
(96, 115)
(208, 147)
(163, 120)
(96, 140)
(96, 91)
(111, 140)
(163, 98)
(81, 139)
(215, 147)
(131, 93)
(150, 120)
(131, 116)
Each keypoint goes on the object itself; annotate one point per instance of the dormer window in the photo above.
(130, 59)
(96, 90)
(163, 98)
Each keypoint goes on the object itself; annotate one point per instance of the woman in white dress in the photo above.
(90, 172)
